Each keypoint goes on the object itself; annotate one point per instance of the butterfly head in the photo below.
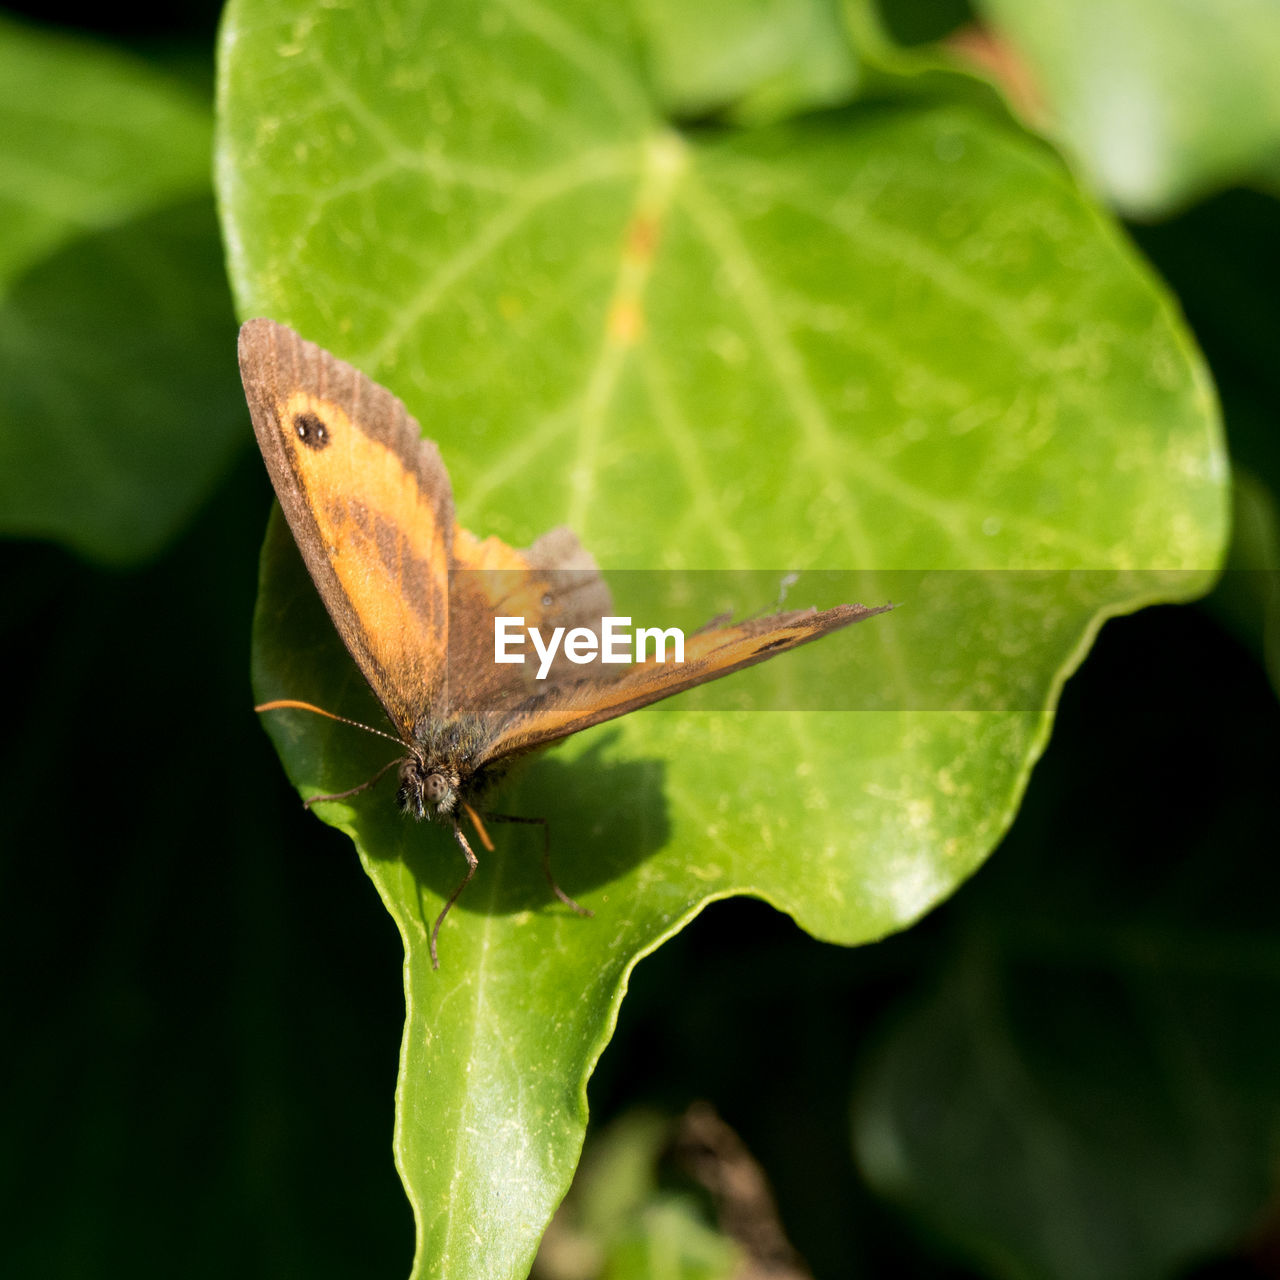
(427, 792)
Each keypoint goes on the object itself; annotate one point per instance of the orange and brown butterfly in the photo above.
(414, 596)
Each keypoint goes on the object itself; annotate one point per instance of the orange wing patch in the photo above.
(368, 502)
(389, 555)
(499, 573)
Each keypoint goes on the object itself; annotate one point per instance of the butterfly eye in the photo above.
(547, 600)
(311, 430)
(436, 787)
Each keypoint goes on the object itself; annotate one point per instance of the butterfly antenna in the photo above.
(355, 791)
(289, 704)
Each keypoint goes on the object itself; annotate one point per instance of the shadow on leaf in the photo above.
(605, 817)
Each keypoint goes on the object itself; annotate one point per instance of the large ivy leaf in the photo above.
(1161, 102)
(117, 409)
(893, 340)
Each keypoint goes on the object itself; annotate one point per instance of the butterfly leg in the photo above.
(546, 855)
(364, 786)
(472, 863)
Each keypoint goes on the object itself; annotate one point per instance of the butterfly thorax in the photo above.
(444, 766)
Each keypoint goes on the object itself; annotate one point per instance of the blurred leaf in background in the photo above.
(117, 414)
(1087, 1086)
(1160, 102)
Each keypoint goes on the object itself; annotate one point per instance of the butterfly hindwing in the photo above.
(553, 583)
(369, 505)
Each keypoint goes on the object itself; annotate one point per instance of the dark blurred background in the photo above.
(1076, 1057)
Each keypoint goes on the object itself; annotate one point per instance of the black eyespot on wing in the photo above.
(311, 430)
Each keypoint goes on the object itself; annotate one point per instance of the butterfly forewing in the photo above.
(369, 504)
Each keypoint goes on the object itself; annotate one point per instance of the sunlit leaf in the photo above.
(896, 343)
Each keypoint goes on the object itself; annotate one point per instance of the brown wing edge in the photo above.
(563, 711)
(273, 356)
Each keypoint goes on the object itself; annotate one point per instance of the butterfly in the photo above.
(414, 596)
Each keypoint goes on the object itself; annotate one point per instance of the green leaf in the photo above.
(753, 61)
(118, 406)
(1161, 102)
(1110, 1144)
(620, 1225)
(670, 1241)
(894, 340)
(1085, 1087)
